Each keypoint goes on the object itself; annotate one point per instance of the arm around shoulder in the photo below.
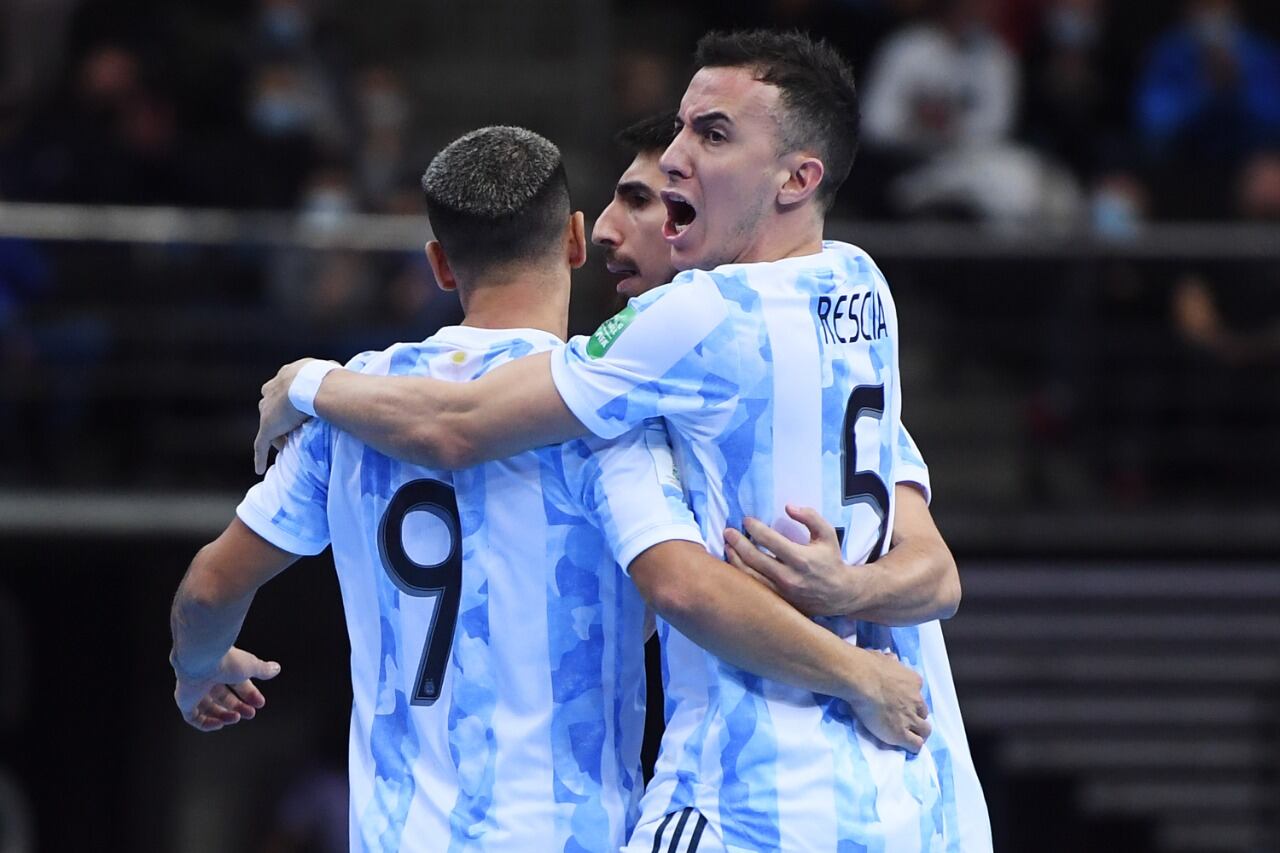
(450, 424)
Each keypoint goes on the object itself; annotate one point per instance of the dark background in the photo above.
(1091, 336)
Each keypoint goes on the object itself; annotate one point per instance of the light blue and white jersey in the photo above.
(966, 823)
(779, 384)
(496, 646)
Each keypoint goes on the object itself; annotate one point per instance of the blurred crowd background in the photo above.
(1077, 203)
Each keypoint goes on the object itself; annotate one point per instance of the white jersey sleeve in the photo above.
(669, 353)
(289, 508)
(911, 469)
(630, 489)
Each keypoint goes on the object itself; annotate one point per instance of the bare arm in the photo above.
(744, 624)
(213, 677)
(915, 582)
(428, 421)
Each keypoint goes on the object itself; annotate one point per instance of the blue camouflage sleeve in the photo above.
(669, 353)
(630, 489)
(289, 508)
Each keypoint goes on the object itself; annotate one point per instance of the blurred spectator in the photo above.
(644, 83)
(945, 83)
(284, 28)
(1069, 98)
(113, 140)
(282, 120)
(1233, 316)
(384, 147)
(329, 291)
(1118, 205)
(1227, 317)
(1211, 87)
(939, 110)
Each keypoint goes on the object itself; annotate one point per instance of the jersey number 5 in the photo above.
(441, 581)
(863, 486)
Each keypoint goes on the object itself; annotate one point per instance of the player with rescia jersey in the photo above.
(918, 569)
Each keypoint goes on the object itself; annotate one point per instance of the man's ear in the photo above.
(445, 279)
(803, 179)
(576, 240)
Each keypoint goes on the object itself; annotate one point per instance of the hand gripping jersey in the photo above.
(779, 384)
(496, 646)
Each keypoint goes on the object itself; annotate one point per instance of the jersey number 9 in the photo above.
(441, 581)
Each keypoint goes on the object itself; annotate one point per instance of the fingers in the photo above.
(765, 536)
(203, 722)
(249, 693)
(736, 561)
(922, 728)
(260, 446)
(239, 665)
(820, 530)
(913, 743)
(231, 699)
(209, 712)
(752, 560)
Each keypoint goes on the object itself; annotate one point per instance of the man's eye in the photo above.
(714, 136)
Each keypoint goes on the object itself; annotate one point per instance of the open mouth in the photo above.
(680, 214)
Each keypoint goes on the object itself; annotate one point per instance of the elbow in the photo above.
(949, 591)
(201, 590)
(669, 598)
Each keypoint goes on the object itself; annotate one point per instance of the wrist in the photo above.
(306, 384)
(851, 596)
(859, 685)
(188, 673)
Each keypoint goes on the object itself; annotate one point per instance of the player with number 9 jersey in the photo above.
(779, 384)
(523, 733)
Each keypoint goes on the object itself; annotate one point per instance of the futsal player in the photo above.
(496, 645)
(917, 578)
(773, 359)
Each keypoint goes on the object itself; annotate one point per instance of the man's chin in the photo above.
(685, 259)
(632, 287)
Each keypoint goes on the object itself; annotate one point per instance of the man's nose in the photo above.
(604, 233)
(674, 162)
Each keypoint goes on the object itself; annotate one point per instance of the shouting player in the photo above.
(773, 360)
(915, 582)
(496, 644)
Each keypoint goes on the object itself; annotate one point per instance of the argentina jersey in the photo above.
(779, 384)
(496, 644)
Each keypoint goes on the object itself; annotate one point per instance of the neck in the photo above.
(529, 299)
(790, 235)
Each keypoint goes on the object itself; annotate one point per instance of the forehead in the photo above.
(733, 91)
(644, 169)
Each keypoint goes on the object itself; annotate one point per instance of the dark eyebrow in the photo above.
(705, 119)
(633, 188)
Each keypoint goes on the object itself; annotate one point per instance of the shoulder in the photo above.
(395, 359)
(693, 298)
(854, 262)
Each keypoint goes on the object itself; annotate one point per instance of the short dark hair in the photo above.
(496, 195)
(818, 92)
(649, 135)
